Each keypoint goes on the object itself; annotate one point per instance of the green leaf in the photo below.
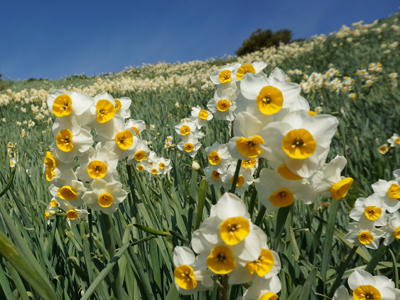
(375, 259)
(151, 230)
(21, 265)
(295, 294)
(9, 182)
(395, 270)
(306, 290)
(200, 202)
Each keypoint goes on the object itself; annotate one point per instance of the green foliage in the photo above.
(260, 39)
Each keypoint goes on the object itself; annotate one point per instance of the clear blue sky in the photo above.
(51, 39)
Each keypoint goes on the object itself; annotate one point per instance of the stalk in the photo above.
(116, 280)
(236, 176)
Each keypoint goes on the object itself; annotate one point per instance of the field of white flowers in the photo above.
(274, 174)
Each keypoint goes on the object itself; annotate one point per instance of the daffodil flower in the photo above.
(122, 107)
(138, 154)
(341, 294)
(190, 146)
(98, 163)
(389, 192)
(219, 156)
(223, 75)
(366, 286)
(276, 191)
(200, 116)
(67, 188)
(105, 196)
(248, 138)
(186, 129)
(300, 141)
(392, 229)
(223, 105)
(369, 209)
(191, 274)
(364, 234)
(213, 176)
(137, 125)
(263, 289)
(255, 68)
(245, 178)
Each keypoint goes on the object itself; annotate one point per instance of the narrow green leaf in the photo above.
(375, 259)
(5, 284)
(306, 290)
(395, 270)
(173, 293)
(295, 248)
(295, 294)
(103, 274)
(9, 182)
(151, 230)
(200, 202)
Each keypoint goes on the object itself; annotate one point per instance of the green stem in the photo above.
(341, 271)
(236, 176)
(130, 181)
(223, 291)
(252, 201)
(116, 280)
(91, 242)
(327, 249)
(260, 215)
(375, 259)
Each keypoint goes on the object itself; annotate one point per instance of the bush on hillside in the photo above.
(260, 39)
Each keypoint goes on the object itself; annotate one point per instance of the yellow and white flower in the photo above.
(276, 191)
(263, 289)
(248, 138)
(105, 196)
(389, 192)
(219, 157)
(245, 178)
(67, 188)
(98, 163)
(364, 234)
(392, 229)
(327, 181)
(300, 141)
(255, 68)
(190, 146)
(138, 154)
(191, 274)
(228, 236)
(223, 75)
(186, 129)
(223, 105)
(365, 286)
(122, 106)
(200, 116)
(164, 165)
(73, 106)
(267, 95)
(394, 141)
(213, 176)
(123, 139)
(103, 116)
(137, 125)
(369, 209)
(74, 215)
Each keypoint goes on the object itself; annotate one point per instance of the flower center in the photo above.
(67, 193)
(281, 198)
(136, 130)
(188, 147)
(263, 265)
(299, 144)
(72, 214)
(285, 172)
(214, 158)
(249, 147)
(140, 155)
(339, 190)
(124, 139)
(105, 111)
(234, 230)
(249, 163)
(239, 182)
(105, 200)
(366, 292)
(161, 166)
(118, 104)
(225, 76)
(97, 169)
(62, 105)
(248, 68)
(365, 238)
(203, 114)
(372, 212)
(215, 175)
(185, 130)
(64, 140)
(269, 100)
(221, 260)
(223, 105)
(185, 278)
(394, 191)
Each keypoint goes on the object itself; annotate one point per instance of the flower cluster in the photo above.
(228, 243)
(392, 144)
(78, 116)
(379, 209)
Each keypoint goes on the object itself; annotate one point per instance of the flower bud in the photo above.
(195, 166)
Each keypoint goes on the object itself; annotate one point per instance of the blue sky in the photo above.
(51, 39)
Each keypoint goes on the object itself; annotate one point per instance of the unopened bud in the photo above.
(52, 212)
(195, 166)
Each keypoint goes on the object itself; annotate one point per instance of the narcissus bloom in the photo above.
(123, 141)
(267, 95)
(245, 178)
(392, 229)
(394, 141)
(70, 105)
(190, 146)
(369, 209)
(137, 125)
(263, 289)
(213, 176)
(218, 156)
(200, 116)
(191, 274)
(228, 237)
(98, 163)
(364, 234)
(389, 192)
(327, 181)
(105, 196)
(164, 165)
(138, 154)
(300, 141)
(255, 68)
(223, 105)
(248, 139)
(365, 286)
(67, 188)
(122, 107)
(186, 129)
(223, 75)
(383, 149)
(275, 191)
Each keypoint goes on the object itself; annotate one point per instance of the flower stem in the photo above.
(116, 280)
(236, 176)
